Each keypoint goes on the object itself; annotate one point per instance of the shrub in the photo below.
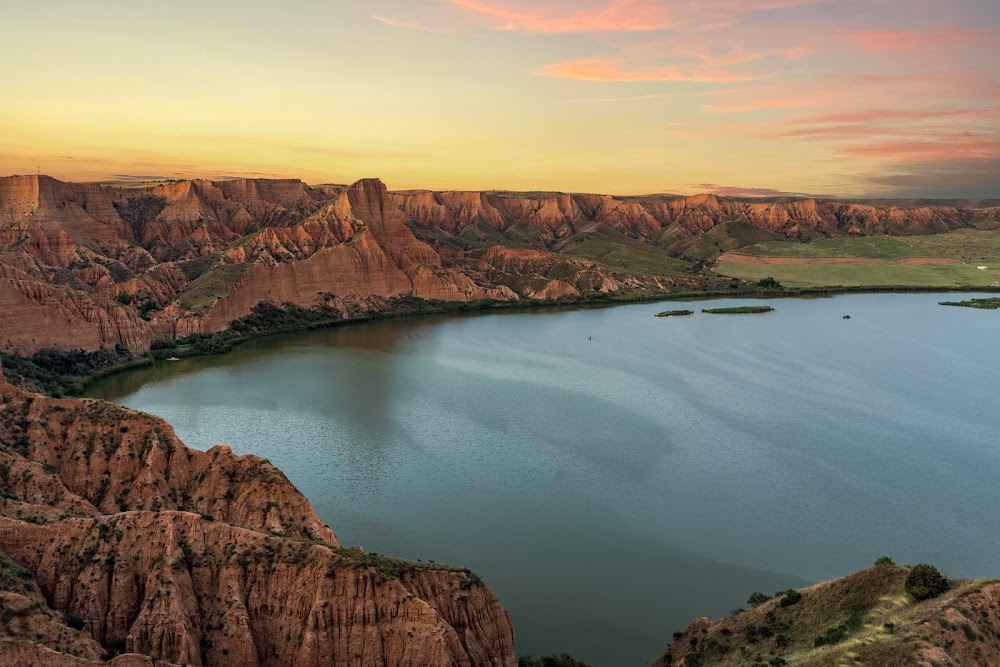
(72, 621)
(790, 598)
(832, 636)
(757, 598)
(885, 560)
(925, 582)
(124, 298)
(769, 283)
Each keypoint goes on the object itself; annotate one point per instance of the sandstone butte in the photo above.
(86, 265)
(178, 556)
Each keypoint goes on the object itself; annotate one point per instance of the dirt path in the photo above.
(736, 258)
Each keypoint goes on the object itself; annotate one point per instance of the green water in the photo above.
(613, 475)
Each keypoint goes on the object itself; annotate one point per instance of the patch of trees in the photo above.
(58, 372)
(769, 283)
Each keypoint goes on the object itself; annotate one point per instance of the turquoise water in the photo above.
(612, 475)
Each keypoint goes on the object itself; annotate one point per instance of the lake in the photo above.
(612, 475)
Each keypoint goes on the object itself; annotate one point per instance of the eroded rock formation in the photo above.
(85, 266)
(109, 523)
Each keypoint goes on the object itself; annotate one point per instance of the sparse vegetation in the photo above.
(138, 212)
(739, 310)
(211, 286)
(675, 313)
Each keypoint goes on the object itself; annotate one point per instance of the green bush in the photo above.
(925, 582)
(790, 597)
(757, 598)
(885, 560)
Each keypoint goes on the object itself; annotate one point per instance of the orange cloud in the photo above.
(619, 16)
(603, 69)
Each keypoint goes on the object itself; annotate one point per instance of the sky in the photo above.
(893, 98)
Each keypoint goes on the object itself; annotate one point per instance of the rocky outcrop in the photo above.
(86, 266)
(201, 558)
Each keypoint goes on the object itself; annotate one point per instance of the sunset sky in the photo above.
(836, 97)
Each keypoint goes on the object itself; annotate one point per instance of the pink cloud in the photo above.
(912, 43)
(619, 15)
(963, 147)
(739, 191)
(883, 115)
(604, 69)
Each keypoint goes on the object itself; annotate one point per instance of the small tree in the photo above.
(925, 582)
(757, 598)
(769, 283)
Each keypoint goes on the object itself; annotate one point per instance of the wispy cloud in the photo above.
(405, 24)
(970, 146)
(656, 96)
(741, 191)
(618, 16)
(895, 115)
(923, 43)
(603, 69)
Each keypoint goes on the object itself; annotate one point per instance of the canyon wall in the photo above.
(89, 266)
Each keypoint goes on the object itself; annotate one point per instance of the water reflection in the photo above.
(665, 468)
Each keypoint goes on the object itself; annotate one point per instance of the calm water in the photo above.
(611, 490)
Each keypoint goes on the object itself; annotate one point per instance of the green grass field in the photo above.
(969, 247)
(965, 245)
(605, 246)
(212, 285)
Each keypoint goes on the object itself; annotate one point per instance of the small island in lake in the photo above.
(675, 313)
(992, 303)
(738, 310)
